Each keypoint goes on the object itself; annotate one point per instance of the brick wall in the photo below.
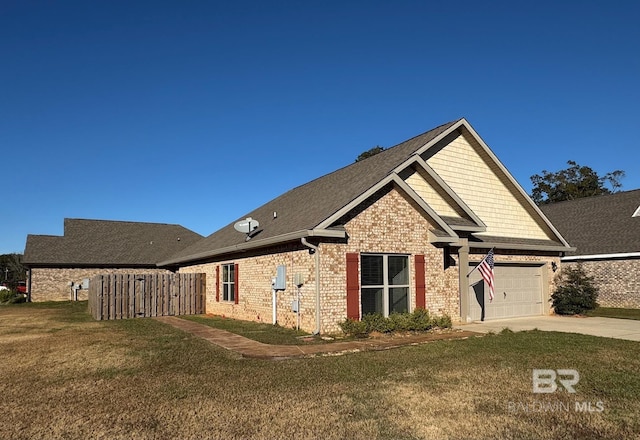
(50, 284)
(618, 281)
(387, 223)
(390, 224)
(254, 287)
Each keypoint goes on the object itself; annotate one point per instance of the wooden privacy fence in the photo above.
(121, 296)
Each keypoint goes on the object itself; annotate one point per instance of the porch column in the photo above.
(463, 280)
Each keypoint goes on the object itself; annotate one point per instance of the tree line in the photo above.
(12, 270)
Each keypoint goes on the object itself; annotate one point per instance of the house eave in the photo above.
(256, 244)
(433, 239)
(469, 228)
(521, 246)
(618, 256)
(78, 265)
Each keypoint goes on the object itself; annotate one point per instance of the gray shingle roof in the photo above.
(600, 224)
(306, 206)
(108, 243)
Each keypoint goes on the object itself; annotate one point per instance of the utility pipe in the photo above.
(274, 300)
(315, 250)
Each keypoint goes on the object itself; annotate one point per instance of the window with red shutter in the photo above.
(229, 282)
(236, 284)
(384, 283)
(217, 283)
(353, 286)
(421, 301)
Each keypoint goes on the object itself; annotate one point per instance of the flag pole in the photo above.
(485, 257)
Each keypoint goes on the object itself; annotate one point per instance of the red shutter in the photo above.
(353, 287)
(421, 301)
(235, 283)
(217, 283)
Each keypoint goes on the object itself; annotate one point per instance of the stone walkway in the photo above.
(254, 349)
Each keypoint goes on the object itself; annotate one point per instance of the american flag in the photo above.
(486, 270)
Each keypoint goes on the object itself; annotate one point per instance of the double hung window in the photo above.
(228, 282)
(384, 281)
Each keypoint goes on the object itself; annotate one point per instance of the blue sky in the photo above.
(197, 112)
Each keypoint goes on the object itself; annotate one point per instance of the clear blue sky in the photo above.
(197, 112)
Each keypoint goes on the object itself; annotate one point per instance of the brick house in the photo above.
(606, 233)
(399, 230)
(58, 265)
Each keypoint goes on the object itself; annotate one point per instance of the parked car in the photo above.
(21, 286)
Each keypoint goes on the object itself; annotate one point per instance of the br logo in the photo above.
(545, 381)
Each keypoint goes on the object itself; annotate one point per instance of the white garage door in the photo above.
(518, 292)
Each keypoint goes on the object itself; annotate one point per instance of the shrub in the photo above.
(399, 321)
(575, 292)
(351, 327)
(11, 297)
(418, 321)
(375, 322)
(443, 321)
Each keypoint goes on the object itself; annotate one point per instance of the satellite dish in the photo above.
(247, 225)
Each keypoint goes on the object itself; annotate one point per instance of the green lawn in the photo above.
(67, 376)
(611, 312)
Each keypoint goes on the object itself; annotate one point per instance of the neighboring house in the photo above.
(394, 232)
(606, 233)
(58, 265)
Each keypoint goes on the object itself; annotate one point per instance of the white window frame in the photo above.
(229, 285)
(385, 278)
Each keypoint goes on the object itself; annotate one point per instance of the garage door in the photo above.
(518, 292)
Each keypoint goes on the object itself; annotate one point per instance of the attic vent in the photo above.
(637, 213)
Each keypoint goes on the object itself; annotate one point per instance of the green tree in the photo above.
(575, 292)
(12, 269)
(372, 152)
(574, 182)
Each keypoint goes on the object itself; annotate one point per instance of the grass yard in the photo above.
(612, 312)
(66, 376)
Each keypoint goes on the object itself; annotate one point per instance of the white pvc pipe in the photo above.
(274, 299)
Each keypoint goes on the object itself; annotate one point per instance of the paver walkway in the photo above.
(254, 349)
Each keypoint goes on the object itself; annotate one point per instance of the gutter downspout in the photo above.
(315, 250)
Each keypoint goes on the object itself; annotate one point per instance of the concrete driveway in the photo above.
(606, 327)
